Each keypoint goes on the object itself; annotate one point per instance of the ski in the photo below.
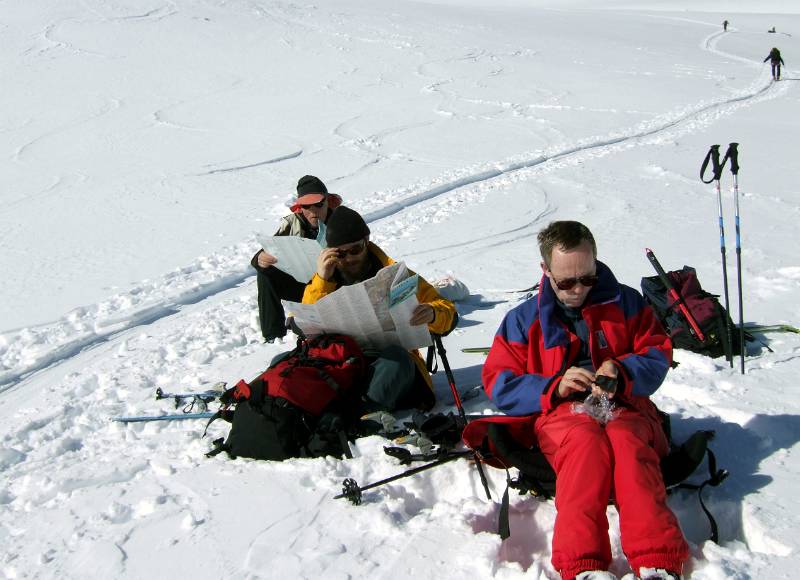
(476, 349)
(175, 417)
(525, 290)
(193, 402)
(215, 391)
(751, 328)
(772, 328)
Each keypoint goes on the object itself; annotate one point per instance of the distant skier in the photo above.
(771, 30)
(774, 58)
(725, 25)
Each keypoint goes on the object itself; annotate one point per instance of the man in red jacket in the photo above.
(548, 355)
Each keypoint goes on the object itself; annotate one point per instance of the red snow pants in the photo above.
(595, 462)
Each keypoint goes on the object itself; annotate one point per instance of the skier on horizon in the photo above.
(775, 59)
(725, 25)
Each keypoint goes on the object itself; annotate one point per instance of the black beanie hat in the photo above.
(310, 184)
(345, 226)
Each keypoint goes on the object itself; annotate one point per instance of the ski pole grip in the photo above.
(713, 156)
(733, 154)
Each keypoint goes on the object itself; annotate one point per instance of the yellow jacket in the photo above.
(445, 311)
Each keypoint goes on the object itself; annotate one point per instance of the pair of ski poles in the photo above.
(717, 167)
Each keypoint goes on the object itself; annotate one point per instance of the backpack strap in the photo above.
(716, 477)
(225, 414)
(219, 447)
(431, 362)
(231, 396)
(532, 473)
(345, 445)
(536, 473)
(680, 464)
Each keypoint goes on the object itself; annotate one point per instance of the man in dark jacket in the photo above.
(312, 207)
(583, 329)
(774, 58)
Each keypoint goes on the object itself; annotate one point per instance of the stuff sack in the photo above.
(302, 406)
(704, 307)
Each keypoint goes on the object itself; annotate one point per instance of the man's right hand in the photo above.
(266, 260)
(327, 261)
(575, 380)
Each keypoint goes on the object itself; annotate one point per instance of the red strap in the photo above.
(241, 390)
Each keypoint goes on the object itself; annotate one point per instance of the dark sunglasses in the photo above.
(310, 205)
(569, 283)
(354, 250)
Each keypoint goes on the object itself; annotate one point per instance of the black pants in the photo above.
(391, 380)
(776, 71)
(275, 285)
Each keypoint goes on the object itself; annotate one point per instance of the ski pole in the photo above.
(713, 156)
(676, 298)
(443, 353)
(352, 491)
(733, 154)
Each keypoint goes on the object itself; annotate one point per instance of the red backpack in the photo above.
(299, 407)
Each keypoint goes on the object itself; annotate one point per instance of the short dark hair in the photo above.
(566, 235)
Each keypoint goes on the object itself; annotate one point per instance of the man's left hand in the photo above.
(423, 314)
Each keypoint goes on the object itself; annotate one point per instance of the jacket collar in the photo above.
(554, 333)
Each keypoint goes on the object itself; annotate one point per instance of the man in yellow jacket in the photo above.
(398, 379)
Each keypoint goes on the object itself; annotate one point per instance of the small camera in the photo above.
(607, 384)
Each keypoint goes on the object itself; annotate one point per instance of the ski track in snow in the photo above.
(28, 350)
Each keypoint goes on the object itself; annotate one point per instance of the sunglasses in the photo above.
(317, 205)
(353, 250)
(569, 283)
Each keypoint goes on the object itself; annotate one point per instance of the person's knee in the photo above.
(392, 378)
(587, 443)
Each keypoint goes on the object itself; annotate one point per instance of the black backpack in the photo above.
(536, 475)
(305, 405)
(709, 314)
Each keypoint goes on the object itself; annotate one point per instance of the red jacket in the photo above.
(533, 348)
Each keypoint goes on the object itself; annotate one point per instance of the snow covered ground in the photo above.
(144, 145)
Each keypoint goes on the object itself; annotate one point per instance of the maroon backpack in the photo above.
(709, 314)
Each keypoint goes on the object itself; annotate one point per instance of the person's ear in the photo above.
(544, 267)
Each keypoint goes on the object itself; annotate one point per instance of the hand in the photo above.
(607, 369)
(575, 380)
(423, 314)
(327, 261)
(266, 260)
